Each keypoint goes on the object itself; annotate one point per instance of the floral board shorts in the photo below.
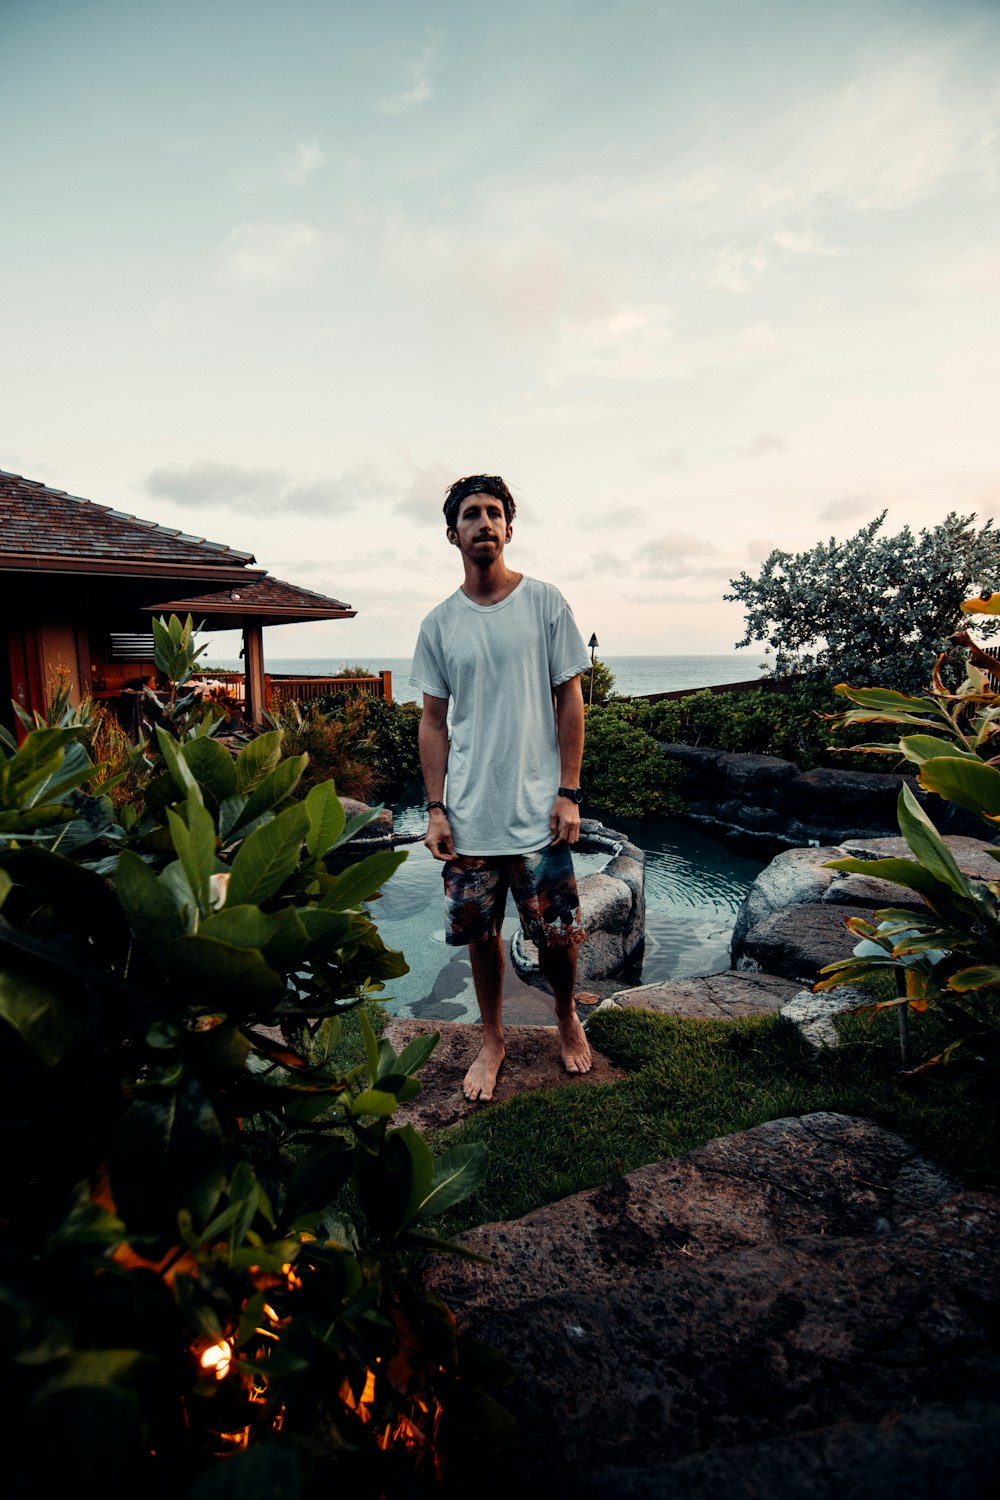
(543, 886)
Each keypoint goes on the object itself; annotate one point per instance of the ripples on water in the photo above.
(694, 886)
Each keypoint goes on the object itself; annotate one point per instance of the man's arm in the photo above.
(432, 738)
(564, 819)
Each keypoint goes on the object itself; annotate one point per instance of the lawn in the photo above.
(689, 1081)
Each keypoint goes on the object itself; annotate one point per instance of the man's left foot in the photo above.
(573, 1045)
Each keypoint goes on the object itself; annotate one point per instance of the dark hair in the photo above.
(477, 484)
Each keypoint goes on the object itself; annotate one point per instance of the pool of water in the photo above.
(694, 886)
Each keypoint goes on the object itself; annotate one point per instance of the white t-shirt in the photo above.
(498, 663)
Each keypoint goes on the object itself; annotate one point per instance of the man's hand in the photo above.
(564, 821)
(438, 836)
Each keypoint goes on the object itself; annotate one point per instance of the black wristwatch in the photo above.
(574, 793)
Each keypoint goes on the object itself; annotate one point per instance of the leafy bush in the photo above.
(871, 609)
(624, 771)
(334, 746)
(603, 683)
(947, 956)
(792, 724)
(208, 1216)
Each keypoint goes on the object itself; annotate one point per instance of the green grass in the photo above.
(689, 1081)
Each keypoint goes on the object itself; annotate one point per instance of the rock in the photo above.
(532, 1062)
(791, 921)
(813, 1015)
(760, 1317)
(773, 803)
(717, 997)
(798, 942)
(612, 907)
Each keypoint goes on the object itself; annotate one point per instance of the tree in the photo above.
(872, 609)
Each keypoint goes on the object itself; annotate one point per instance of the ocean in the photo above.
(634, 675)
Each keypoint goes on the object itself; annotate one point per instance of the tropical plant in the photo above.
(207, 1210)
(598, 683)
(870, 609)
(946, 954)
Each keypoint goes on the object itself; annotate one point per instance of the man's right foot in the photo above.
(481, 1078)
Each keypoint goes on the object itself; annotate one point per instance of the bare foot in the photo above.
(482, 1076)
(574, 1045)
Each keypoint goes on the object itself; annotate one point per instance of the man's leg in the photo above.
(486, 957)
(559, 967)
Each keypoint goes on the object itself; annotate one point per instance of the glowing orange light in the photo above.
(218, 1359)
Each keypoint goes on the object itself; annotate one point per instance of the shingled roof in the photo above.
(269, 601)
(49, 530)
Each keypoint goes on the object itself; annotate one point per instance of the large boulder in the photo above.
(793, 919)
(803, 1311)
(612, 907)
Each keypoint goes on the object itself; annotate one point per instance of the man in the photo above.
(505, 650)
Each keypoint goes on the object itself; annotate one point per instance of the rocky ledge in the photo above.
(762, 799)
(803, 1311)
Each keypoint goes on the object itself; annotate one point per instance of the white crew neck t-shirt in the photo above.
(499, 664)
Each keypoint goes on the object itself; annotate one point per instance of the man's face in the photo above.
(481, 530)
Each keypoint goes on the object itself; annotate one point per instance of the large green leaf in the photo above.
(905, 872)
(978, 977)
(213, 971)
(212, 767)
(456, 1174)
(74, 769)
(243, 926)
(315, 1183)
(927, 844)
(149, 903)
(359, 882)
(264, 1472)
(274, 788)
(175, 763)
(47, 1024)
(268, 857)
(923, 747)
(167, 1156)
(966, 780)
(192, 830)
(326, 818)
(421, 1169)
(259, 757)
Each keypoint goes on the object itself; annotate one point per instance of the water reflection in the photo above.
(694, 886)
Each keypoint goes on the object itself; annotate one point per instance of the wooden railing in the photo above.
(280, 689)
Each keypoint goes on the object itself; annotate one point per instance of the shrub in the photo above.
(208, 1219)
(871, 609)
(792, 724)
(624, 771)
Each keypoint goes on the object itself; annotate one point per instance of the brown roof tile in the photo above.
(270, 599)
(38, 524)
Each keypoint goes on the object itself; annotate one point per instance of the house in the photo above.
(79, 582)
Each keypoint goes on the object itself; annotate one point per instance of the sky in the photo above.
(699, 278)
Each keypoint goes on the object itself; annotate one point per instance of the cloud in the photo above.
(306, 161)
(423, 495)
(735, 269)
(265, 492)
(803, 242)
(678, 554)
(419, 91)
(272, 257)
(846, 508)
(887, 138)
(762, 445)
